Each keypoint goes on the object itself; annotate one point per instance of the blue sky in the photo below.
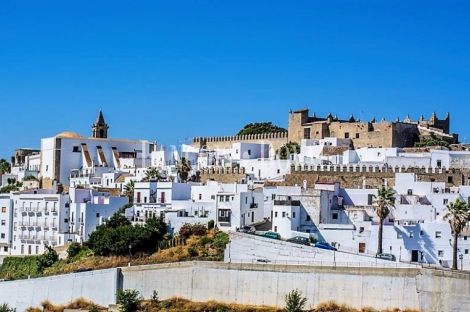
(171, 70)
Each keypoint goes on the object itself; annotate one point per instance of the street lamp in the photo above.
(130, 255)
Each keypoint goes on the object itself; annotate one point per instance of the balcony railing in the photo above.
(287, 202)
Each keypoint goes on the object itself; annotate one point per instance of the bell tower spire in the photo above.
(100, 128)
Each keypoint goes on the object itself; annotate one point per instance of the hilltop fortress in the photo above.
(361, 133)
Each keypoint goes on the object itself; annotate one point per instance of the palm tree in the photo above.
(5, 166)
(183, 167)
(129, 190)
(458, 216)
(152, 174)
(385, 201)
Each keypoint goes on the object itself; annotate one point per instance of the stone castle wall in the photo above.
(275, 140)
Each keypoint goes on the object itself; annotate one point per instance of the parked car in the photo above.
(299, 240)
(386, 256)
(270, 234)
(324, 245)
(248, 229)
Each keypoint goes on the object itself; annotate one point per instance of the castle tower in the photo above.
(100, 127)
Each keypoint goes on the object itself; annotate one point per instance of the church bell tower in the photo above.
(100, 127)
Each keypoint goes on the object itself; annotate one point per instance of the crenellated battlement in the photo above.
(222, 170)
(370, 169)
(240, 138)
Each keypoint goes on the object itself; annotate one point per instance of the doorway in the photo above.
(362, 247)
(414, 256)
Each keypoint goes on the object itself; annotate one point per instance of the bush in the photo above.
(210, 224)
(204, 240)
(4, 307)
(186, 230)
(221, 240)
(294, 301)
(129, 300)
(47, 259)
(73, 250)
(189, 229)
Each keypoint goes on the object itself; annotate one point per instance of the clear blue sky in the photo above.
(170, 70)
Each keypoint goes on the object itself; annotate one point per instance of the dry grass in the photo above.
(332, 306)
(80, 303)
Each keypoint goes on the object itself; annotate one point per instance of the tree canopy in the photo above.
(287, 149)
(431, 141)
(385, 202)
(260, 127)
(115, 236)
(5, 166)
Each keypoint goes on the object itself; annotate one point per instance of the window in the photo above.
(2, 235)
(29, 249)
(399, 236)
(335, 216)
(37, 249)
(445, 201)
(438, 234)
(22, 249)
(346, 135)
(222, 199)
(275, 228)
(378, 154)
(450, 179)
(308, 218)
(97, 215)
(421, 232)
(361, 229)
(249, 152)
(4, 222)
(465, 238)
(357, 135)
(246, 200)
(275, 214)
(410, 192)
(4, 209)
(278, 171)
(200, 196)
(440, 253)
(466, 251)
(5, 248)
(227, 198)
(370, 199)
(66, 220)
(273, 196)
(47, 167)
(253, 169)
(236, 151)
(212, 197)
(75, 149)
(439, 163)
(307, 231)
(293, 214)
(307, 133)
(283, 214)
(410, 234)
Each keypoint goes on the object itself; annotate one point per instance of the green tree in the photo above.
(73, 250)
(129, 300)
(129, 190)
(47, 259)
(152, 173)
(5, 166)
(431, 141)
(183, 167)
(287, 149)
(260, 127)
(294, 301)
(458, 215)
(385, 201)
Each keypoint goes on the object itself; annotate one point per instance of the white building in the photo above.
(70, 155)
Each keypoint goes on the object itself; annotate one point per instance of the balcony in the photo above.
(287, 202)
(253, 205)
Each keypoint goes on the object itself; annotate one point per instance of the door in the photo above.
(414, 256)
(362, 247)
(163, 197)
(252, 217)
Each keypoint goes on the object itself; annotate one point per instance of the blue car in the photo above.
(324, 245)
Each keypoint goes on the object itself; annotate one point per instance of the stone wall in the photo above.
(275, 140)
(223, 175)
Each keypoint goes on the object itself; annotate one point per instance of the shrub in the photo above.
(199, 229)
(129, 300)
(221, 240)
(73, 250)
(192, 251)
(210, 224)
(204, 240)
(94, 309)
(294, 301)
(186, 230)
(4, 307)
(47, 259)
(154, 298)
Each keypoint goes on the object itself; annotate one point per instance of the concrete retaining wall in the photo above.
(97, 286)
